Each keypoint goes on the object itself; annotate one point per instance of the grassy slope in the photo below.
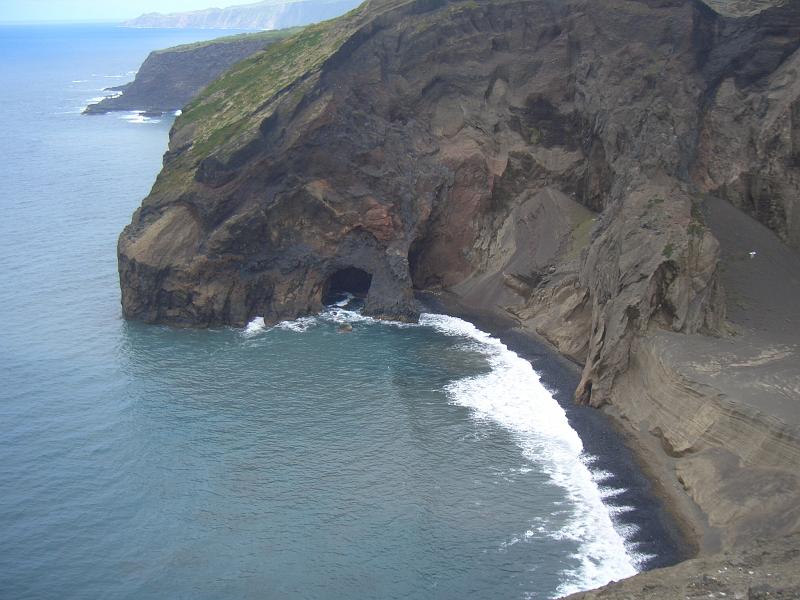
(225, 109)
(228, 113)
(266, 36)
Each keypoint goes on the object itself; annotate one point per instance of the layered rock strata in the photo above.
(763, 571)
(549, 159)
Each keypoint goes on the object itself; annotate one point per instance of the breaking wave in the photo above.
(138, 117)
(512, 396)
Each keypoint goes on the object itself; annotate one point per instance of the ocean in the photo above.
(396, 461)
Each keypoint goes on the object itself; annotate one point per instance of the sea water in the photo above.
(295, 461)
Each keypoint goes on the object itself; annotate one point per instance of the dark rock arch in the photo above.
(350, 280)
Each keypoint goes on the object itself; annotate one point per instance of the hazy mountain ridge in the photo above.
(262, 15)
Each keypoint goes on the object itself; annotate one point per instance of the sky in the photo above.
(98, 10)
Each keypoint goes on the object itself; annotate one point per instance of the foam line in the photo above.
(255, 327)
(512, 395)
(137, 117)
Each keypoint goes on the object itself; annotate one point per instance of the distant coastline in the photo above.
(168, 79)
(260, 16)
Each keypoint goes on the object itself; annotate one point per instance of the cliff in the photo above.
(272, 14)
(169, 79)
(596, 169)
(762, 571)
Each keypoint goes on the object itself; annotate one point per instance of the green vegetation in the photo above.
(697, 226)
(227, 115)
(581, 235)
(266, 36)
(695, 229)
(229, 111)
(668, 250)
(697, 213)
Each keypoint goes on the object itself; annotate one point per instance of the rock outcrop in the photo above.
(169, 79)
(272, 14)
(749, 147)
(767, 570)
(546, 158)
(445, 118)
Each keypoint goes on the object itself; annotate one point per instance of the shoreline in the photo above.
(661, 508)
(656, 466)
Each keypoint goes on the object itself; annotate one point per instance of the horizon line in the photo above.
(64, 22)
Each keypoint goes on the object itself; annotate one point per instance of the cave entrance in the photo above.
(346, 285)
(421, 267)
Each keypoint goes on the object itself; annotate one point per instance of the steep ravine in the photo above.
(545, 159)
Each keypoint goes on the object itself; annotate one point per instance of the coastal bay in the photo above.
(141, 460)
(616, 238)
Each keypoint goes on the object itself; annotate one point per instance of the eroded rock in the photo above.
(545, 157)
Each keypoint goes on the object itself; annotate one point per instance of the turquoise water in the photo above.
(294, 462)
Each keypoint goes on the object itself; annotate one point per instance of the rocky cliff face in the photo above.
(748, 146)
(272, 14)
(549, 157)
(765, 571)
(447, 118)
(169, 79)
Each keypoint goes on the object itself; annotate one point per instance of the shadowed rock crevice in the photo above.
(346, 282)
(421, 278)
